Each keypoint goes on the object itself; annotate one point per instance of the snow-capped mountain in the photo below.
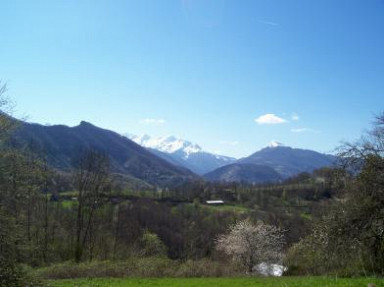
(168, 144)
(289, 161)
(183, 153)
(271, 164)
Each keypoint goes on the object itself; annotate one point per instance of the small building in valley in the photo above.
(215, 202)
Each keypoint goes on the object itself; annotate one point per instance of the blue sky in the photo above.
(228, 75)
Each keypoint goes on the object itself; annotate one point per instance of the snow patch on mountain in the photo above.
(169, 144)
(274, 143)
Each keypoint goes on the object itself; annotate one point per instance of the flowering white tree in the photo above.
(250, 244)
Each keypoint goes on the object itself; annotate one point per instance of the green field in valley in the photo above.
(222, 282)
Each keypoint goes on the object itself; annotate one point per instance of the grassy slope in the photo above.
(222, 282)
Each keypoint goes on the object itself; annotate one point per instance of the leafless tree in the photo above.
(250, 244)
(92, 182)
(353, 154)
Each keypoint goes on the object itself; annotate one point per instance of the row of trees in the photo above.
(22, 177)
(349, 240)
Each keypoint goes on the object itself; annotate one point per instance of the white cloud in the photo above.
(269, 119)
(303, 130)
(230, 143)
(295, 117)
(153, 122)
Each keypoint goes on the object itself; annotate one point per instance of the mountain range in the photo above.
(63, 145)
(183, 153)
(288, 161)
(273, 163)
(284, 161)
(166, 161)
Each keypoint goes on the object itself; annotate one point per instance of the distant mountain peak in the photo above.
(182, 152)
(274, 144)
(85, 123)
(167, 144)
(289, 161)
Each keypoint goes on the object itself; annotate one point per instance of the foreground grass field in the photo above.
(222, 282)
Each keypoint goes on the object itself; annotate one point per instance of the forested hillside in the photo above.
(62, 146)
